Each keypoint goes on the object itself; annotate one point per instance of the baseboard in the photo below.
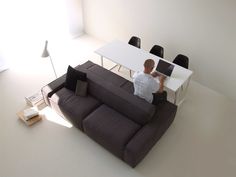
(4, 67)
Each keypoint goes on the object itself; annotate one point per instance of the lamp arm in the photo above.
(53, 66)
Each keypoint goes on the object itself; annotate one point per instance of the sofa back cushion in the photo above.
(117, 98)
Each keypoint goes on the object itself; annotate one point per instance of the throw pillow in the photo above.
(72, 76)
(81, 88)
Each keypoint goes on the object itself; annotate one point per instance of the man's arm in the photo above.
(161, 79)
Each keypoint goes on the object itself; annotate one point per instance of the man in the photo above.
(145, 85)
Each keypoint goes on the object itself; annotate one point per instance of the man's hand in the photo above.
(155, 74)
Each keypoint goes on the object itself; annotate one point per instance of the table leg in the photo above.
(113, 67)
(182, 95)
(102, 61)
(176, 96)
(188, 83)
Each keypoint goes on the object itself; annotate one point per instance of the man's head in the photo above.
(148, 66)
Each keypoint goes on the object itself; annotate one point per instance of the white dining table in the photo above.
(133, 58)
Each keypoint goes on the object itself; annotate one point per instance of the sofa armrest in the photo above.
(53, 87)
(149, 134)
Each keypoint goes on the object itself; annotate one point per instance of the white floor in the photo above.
(199, 143)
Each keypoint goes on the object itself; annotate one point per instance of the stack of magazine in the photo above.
(35, 99)
(30, 113)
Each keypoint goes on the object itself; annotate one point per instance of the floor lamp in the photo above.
(46, 54)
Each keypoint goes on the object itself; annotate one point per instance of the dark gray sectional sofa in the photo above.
(110, 114)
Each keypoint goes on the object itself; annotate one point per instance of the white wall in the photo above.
(74, 17)
(204, 30)
(26, 24)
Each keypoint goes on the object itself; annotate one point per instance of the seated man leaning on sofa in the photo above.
(145, 85)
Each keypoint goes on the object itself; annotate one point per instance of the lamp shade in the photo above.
(45, 51)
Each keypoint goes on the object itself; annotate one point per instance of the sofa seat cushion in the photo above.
(110, 129)
(62, 95)
(75, 108)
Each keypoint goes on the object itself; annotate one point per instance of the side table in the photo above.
(31, 121)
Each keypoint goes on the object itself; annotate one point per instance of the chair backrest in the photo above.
(181, 60)
(135, 41)
(157, 50)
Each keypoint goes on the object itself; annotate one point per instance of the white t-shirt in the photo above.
(145, 85)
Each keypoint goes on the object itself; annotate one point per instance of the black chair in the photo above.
(134, 41)
(181, 60)
(157, 50)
